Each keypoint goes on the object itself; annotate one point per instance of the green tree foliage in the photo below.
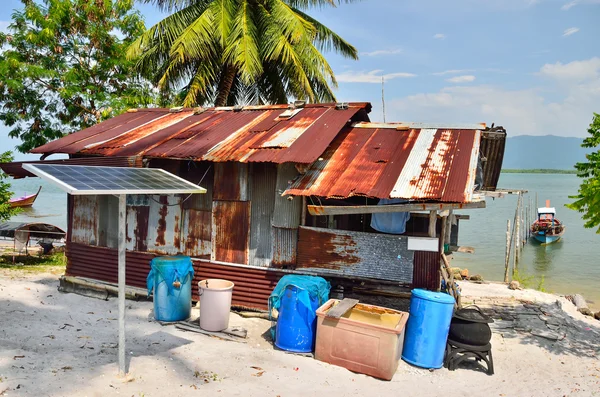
(588, 199)
(63, 67)
(5, 210)
(230, 52)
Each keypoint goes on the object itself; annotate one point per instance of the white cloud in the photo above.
(4, 26)
(452, 71)
(522, 111)
(573, 3)
(575, 71)
(381, 52)
(461, 79)
(374, 76)
(439, 36)
(570, 31)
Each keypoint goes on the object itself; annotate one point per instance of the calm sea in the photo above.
(569, 266)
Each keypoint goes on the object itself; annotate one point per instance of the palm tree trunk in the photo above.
(225, 85)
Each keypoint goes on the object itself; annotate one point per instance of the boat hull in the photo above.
(545, 239)
(26, 201)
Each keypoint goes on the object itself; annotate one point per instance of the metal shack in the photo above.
(290, 188)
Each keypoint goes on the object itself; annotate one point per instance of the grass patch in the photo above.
(53, 263)
(529, 281)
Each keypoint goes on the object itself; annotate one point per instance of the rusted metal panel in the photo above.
(287, 213)
(285, 243)
(164, 224)
(252, 286)
(426, 272)
(202, 174)
(262, 199)
(196, 233)
(356, 254)
(101, 263)
(16, 170)
(230, 231)
(492, 155)
(428, 164)
(309, 146)
(137, 228)
(217, 134)
(230, 181)
(84, 226)
(59, 145)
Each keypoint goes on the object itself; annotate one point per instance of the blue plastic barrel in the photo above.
(170, 278)
(427, 328)
(297, 321)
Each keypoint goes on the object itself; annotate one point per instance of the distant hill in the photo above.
(548, 151)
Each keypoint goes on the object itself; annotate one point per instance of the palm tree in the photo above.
(230, 52)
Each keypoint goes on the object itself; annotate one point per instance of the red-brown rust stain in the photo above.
(141, 229)
(162, 222)
(325, 250)
(198, 229)
(232, 224)
(177, 237)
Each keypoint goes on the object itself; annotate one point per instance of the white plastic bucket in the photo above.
(215, 303)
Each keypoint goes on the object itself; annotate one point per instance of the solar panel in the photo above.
(80, 179)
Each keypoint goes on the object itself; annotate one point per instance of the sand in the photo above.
(55, 344)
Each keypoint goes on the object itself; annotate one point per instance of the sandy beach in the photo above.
(57, 344)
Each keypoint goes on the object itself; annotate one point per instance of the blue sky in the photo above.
(532, 66)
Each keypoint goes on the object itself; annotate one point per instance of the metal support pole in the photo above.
(121, 245)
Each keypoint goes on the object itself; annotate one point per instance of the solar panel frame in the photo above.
(96, 180)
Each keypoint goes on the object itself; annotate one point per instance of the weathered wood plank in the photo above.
(317, 210)
(341, 308)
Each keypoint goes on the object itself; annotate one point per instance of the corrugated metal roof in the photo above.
(252, 134)
(414, 164)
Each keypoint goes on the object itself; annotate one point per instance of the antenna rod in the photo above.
(382, 98)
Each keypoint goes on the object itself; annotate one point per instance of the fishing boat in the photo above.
(24, 201)
(547, 229)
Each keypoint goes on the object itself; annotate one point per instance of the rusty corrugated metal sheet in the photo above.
(217, 134)
(252, 286)
(262, 201)
(196, 233)
(16, 170)
(230, 231)
(492, 155)
(285, 242)
(354, 254)
(426, 272)
(427, 164)
(84, 223)
(137, 228)
(102, 264)
(164, 224)
(230, 181)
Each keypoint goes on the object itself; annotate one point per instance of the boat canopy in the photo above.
(44, 231)
(547, 210)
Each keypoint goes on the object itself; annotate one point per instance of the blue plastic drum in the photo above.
(297, 321)
(427, 328)
(170, 278)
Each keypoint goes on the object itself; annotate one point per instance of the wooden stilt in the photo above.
(507, 255)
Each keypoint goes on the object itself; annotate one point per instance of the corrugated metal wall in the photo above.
(492, 152)
(252, 286)
(262, 198)
(230, 231)
(84, 227)
(164, 224)
(286, 218)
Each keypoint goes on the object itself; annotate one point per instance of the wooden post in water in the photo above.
(507, 256)
(516, 234)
